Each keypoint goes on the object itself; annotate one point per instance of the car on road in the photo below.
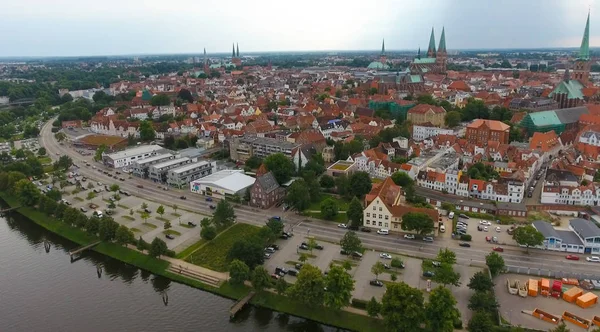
(385, 255)
(498, 249)
(342, 226)
(428, 274)
(212, 207)
(182, 197)
(376, 283)
(383, 231)
(192, 224)
(409, 236)
(365, 229)
(169, 236)
(428, 239)
(465, 244)
(594, 259)
(208, 199)
(572, 257)
(140, 186)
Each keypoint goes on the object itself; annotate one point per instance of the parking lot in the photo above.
(479, 234)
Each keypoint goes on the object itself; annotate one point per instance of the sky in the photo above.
(122, 27)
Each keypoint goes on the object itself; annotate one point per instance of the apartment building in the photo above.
(158, 172)
(424, 113)
(240, 149)
(140, 168)
(426, 130)
(181, 177)
(480, 132)
(127, 157)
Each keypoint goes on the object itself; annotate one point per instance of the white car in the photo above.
(485, 229)
(485, 223)
(342, 226)
(594, 259)
(385, 256)
(409, 236)
(383, 231)
(498, 229)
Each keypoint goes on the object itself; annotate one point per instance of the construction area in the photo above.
(541, 303)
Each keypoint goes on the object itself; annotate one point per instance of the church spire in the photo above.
(233, 52)
(419, 53)
(383, 47)
(431, 49)
(237, 52)
(567, 75)
(584, 50)
(205, 58)
(442, 47)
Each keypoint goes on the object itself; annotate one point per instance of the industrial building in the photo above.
(182, 176)
(224, 183)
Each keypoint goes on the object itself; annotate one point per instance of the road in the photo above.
(514, 257)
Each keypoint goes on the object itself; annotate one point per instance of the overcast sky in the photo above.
(112, 27)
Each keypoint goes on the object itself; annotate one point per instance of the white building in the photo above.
(423, 132)
(140, 168)
(127, 157)
(590, 137)
(223, 183)
(182, 176)
(158, 172)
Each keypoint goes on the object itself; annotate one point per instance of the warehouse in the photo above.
(224, 183)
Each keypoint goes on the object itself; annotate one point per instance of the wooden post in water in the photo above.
(99, 271)
(47, 245)
(165, 298)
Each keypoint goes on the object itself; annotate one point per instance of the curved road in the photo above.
(514, 257)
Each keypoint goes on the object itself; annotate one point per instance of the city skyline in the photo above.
(71, 29)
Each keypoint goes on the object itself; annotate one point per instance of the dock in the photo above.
(240, 304)
(3, 211)
(82, 249)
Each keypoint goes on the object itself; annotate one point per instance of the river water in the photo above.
(44, 291)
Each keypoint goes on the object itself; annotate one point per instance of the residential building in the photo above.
(140, 168)
(266, 191)
(424, 113)
(426, 130)
(158, 172)
(555, 193)
(383, 208)
(328, 154)
(341, 167)
(480, 132)
(127, 157)
(240, 149)
(181, 177)
(225, 183)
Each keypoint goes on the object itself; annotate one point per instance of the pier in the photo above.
(240, 304)
(82, 249)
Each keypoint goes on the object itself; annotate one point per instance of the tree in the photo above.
(481, 322)
(54, 194)
(441, 311)
(281, 166)
(107, 228)
(481, 282)
(208, 232)
(275, 226)
(373, 307)
(350, 242)
(247, 251)
(238, 272)
(92, 225)
(265, 236)
(446, 256)
(377, 269)
(145, 215)
(483, 301)
(355, 213)
(339, 286)
(160, 210)
(115, 187)
(160, 100)
(309, 286)
(224, 215)
(562, 327)
(452, 119)
(60, 136)
(329, 209)
(63, 163)
(147, 132)
(342, 185)
(260, 278)
(167, 225)
(158, 247)
(528, 236)
(402, 179)
(445, 275)
(253, 162)
(495, 263)
(327, 181)
(144, 205)
(402, 308)
(41, 151)
(303, 258)
(142, 245)
(186, 95)
(360, 184)
(27, 192)
(99, 152)
(417, 221)
(298, 195)
(124, 235)
(281, 286)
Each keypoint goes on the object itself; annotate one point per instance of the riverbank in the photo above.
(157, 266)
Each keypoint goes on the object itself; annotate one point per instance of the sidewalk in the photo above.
(176, 263)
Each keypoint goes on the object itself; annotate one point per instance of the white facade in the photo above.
(127, 157)
(377, 214)
(584, 196)
(590, 137)
(423, 132)
(223, 183)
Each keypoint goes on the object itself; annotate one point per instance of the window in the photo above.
(395, 225)
(374, 208)
(368, 222)
(380, 208)
(368, 214)
(386, 225)
(380, 223)
(380, 216)
(387, 217)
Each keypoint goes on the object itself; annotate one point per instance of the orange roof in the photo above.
(459, 85)
(492, 124)
(424, 108)
(480, 184)
(544, 141)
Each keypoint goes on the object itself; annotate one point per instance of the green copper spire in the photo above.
(233, 53)
(383, 47)
(237, 50)
(431, 49)
(419, 53)
(584, 50)
(442, 47)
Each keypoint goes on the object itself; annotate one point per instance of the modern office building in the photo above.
(240, 149)
(158, 172)
(182, 176)
(140, 168)
(127, 157)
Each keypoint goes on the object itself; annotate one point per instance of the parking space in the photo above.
(411, 274)
(462, 293)
(362, 289)
(288, 252)
(479, 232)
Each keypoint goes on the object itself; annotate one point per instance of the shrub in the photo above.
(359, 304)
(466, 237)
(397, 263)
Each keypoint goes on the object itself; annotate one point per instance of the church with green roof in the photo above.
(569, 92)
(382, 63)
(435, 61)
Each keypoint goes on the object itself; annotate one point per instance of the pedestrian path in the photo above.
(180, 265)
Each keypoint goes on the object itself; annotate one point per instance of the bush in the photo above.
(359, 304)
(397, 263)
(458, 324)
(466, 237)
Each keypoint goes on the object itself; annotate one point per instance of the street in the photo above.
(514, 257)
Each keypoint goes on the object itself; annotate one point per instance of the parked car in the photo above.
(304, 246)
(82, 209)
(293, 272)
(498, 249)
(498, 229)
(169, 236)
(269, 250)
(376, 283)
(267, 255)
(594, 259)
(140, 186)
(428, 239)
(208, 199)
(274, 246)
(357, 254)
(409, 236)
(385, 255)
(319, 247)
(281, 270)
(275, 276)
(485, 229)
(386, 266)
(428, 274)
(344, 252)
(465, 244)
(485, 223)
(191, 224)
(383, 231)
(212, 207)
(342, 226)
(298, 266)
(572, 257)
(183, 197)
(365, 229)
(436, 263)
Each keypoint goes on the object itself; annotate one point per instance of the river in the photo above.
(44, 291)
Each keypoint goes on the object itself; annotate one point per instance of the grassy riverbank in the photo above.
(157, 266)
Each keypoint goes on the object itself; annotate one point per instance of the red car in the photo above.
(498, 249)
(572, 257)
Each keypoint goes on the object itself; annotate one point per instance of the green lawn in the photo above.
(162, 219)
(123, 206)
(340, 218)
(175, 214)
(189, 250)
(172, 232)
(45, 160)
(149, 225)
(214, 254)
(78, 199)
(130, 218)
(342, 203)
(134, 230)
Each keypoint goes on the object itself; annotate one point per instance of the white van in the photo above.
(442, 228)
(383, 231)
(97, 213)
(451, 215)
